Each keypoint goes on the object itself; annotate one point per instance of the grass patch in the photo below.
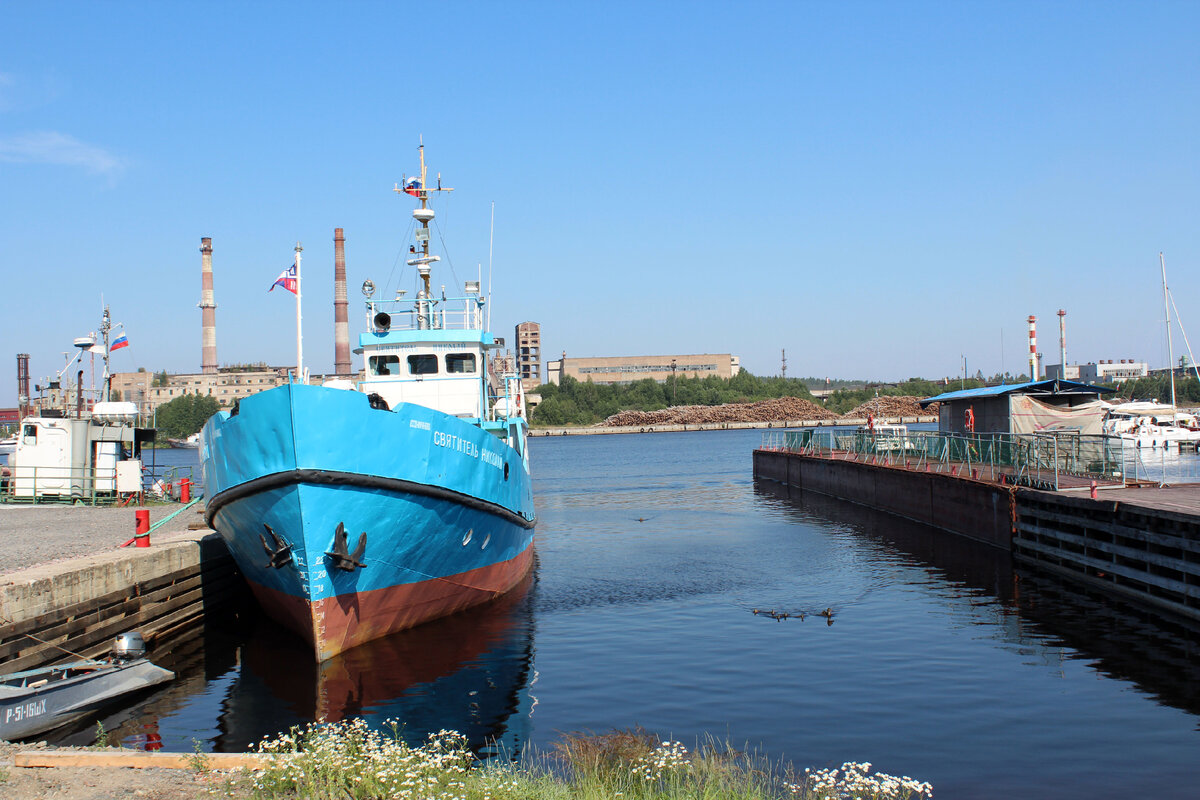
(349, 760)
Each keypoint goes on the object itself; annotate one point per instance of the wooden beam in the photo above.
(140, 759)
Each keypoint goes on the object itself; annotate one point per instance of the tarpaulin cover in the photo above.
(1033, 416)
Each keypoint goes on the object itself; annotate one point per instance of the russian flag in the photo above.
(413, 186)
(118, 343)
(286, 279)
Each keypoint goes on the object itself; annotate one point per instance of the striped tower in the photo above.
(1033, 359)
(341, 324)
(208, 311)
(1062, 343)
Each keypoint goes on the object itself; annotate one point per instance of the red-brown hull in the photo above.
(335, 624)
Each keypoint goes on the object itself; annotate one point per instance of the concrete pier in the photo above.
(80, 604)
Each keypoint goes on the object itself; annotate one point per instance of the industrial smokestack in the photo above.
(341, 326)
(208, 310)
(1062, 343)
(1033, 355)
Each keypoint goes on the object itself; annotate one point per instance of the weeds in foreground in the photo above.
(101, 736)
(350, 760)
(198, 761)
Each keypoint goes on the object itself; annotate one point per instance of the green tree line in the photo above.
(574, 402)
(1157, 387)
(184, 415)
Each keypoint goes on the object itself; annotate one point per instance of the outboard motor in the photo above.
(128, 646)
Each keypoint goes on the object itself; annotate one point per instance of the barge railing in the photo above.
(1052, 460)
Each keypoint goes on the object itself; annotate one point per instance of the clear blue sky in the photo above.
(879, 188)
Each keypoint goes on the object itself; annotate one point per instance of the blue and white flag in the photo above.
(286, 279)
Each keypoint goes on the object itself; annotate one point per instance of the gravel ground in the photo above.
(35, 535)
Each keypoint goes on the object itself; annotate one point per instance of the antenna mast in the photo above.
(1166, 307)
(423, 215)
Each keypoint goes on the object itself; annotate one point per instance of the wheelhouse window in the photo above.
(460, 363)
(29, 433)
(385, 365)
(425, 364)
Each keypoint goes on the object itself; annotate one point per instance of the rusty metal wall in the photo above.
(971, 508)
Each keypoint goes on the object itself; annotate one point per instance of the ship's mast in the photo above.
(106, 379)
(424, 215)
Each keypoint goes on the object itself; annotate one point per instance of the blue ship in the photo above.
(356, 509)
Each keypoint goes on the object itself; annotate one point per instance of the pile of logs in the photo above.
(776, 410)
(782, 409)
(886, 407)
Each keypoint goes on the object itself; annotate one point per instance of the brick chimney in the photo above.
(208, 310)
(341, 326)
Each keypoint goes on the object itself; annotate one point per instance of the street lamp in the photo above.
(673, 367)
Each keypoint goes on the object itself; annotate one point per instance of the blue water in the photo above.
(940, 661)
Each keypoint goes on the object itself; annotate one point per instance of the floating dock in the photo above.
(1142, 544)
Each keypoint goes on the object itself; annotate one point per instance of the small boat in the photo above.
(1150, 424)
(356, 509)
(190, 443)
(8, 445)
(35, 701)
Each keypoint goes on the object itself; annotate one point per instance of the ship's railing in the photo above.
(450, 313)
(89, 485)
(1043, 460)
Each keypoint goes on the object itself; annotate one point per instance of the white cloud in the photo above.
(51, 147)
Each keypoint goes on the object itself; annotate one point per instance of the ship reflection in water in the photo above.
(471, 672)
(1028, 607)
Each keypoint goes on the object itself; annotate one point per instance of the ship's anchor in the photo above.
(342, 558)
(281, 554)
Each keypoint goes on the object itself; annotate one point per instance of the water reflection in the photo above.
(248, 679)
(469, 672)
(1024, 606)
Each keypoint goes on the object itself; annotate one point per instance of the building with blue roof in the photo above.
(1031, 407)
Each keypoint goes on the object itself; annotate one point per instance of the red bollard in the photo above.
(185, 490)
(1093, 490)
(142, 533)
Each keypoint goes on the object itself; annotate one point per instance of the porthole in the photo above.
(505, 470)
(486, 539)
(467, 537)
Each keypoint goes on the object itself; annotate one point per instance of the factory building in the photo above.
(627, 369)
(1099, 372)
